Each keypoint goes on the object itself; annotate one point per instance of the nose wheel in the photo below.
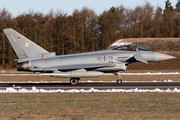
(119, 81)
(74, 81)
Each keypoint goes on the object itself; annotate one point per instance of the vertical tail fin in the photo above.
(23, 47)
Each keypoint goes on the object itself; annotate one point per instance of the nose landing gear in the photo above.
(119, 81)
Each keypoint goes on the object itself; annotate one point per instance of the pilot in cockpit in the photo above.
(135, 48)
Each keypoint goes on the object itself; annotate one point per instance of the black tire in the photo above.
(74, 81)
(119, 81)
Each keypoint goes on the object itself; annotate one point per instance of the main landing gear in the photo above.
(74, 81)
(119, 81)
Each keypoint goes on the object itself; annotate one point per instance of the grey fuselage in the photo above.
(109, 60)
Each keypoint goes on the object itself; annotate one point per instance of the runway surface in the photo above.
(95, 85)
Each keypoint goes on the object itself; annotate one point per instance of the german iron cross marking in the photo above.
(104, 58)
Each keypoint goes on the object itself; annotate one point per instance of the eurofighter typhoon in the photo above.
(34, 58)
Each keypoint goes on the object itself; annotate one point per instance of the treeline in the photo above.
(84, 30)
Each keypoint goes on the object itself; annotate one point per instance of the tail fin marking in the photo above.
(23, 47)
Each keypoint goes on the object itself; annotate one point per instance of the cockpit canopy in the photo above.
(130, 47)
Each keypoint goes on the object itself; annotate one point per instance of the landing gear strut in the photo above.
(74, 81)
(119, 81)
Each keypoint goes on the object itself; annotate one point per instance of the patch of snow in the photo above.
(152, 73)
(120, 42)
(147, 73)
(170, 81)
(91, 90)
(89, 81)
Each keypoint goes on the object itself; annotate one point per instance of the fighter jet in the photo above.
(34, 58)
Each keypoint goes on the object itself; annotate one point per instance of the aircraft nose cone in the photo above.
(161, 56)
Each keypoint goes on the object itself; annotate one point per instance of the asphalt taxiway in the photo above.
(96, 85)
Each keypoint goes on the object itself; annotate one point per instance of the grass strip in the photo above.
(90, 106)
